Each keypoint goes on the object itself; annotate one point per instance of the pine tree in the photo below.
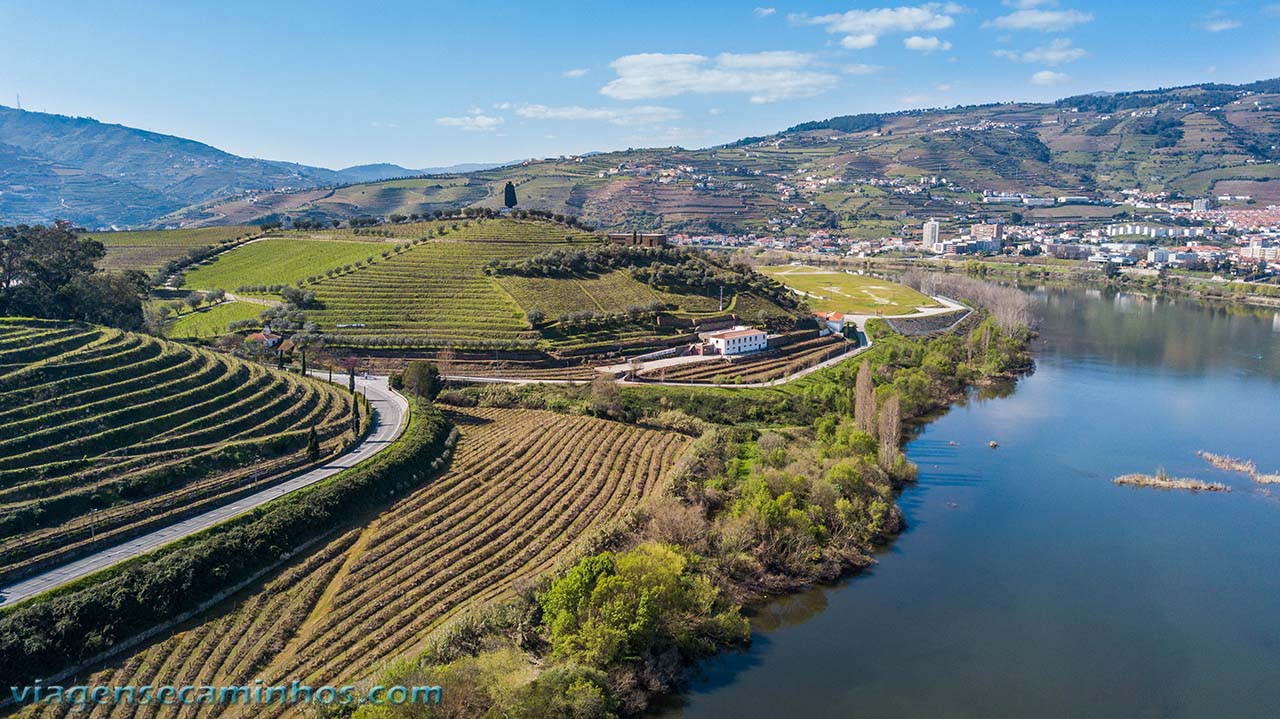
(864, 400)
(509, 195)
(355, 417)
(313, 445)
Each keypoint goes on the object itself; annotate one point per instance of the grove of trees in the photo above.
(52, 272)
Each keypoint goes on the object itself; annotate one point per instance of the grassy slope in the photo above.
(211, 321)
(842, 292)
(273, 261)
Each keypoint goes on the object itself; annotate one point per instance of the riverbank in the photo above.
(751, 513)
(1077, 274)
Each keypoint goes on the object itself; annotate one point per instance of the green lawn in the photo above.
(279, 261)
(212, 321)
(838, 291)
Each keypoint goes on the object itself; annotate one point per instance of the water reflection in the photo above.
(1026, 584)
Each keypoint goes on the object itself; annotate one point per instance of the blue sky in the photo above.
(430, 83)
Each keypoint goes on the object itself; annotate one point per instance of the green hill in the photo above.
(1186, 140)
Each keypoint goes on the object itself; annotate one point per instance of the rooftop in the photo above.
(733, 334)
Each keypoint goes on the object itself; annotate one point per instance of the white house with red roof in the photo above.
(831, 321)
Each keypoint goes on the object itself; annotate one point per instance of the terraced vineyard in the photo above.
(522, 488)
(105, 434)
(608, 292)
(148, 250)
(436, 293)
(762, 367)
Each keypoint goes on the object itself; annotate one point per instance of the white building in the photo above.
(931, 233)
(739, 340)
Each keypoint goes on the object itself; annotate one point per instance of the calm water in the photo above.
(1030, 586)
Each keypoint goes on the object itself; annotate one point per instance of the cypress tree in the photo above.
(509, 195)
(313, 445)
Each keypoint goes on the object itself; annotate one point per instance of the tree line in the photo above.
(52, 272)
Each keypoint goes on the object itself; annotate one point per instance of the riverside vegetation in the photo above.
(803, 496)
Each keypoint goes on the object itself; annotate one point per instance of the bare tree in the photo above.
(890, 430)
(864, 401)
(1010, 307)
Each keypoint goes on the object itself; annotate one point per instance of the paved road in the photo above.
(390, 410)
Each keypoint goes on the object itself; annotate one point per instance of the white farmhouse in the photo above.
(739, 340)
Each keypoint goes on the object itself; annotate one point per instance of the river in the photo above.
(1027, 584)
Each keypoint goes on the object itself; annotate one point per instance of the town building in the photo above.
(988, 231)
(639, 239)
(931, 229)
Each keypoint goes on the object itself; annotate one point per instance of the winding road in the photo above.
(390, 412)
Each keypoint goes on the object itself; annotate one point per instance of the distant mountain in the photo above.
(98, 174)
(825, 174)
(147, 169)
(377, 171)
(870, 173)
(387, 170)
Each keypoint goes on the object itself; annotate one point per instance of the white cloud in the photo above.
(925, 44)
(1048, 77)
(1220, 24)
(764, 11)
(943, 87)
(915, 100)
(861, 69)
(764, 76)
(863, 28)
(471, 123)
(575, 72)
(1042, 20)
(1028, 4)
(1057, 52)
(641, 115)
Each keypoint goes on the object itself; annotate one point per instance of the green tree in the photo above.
(421, 378)
(509, 195)
(51, 272)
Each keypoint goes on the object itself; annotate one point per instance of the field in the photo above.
(279, 261)
(436, 293)
(523, 487)
(211, 321)
(104, 434)
(148, 250)
(836, 291)
(760, 367)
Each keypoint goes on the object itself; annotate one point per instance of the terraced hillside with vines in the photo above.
(105, 434)
(524, 488)
(443, 291)
(435, 293)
